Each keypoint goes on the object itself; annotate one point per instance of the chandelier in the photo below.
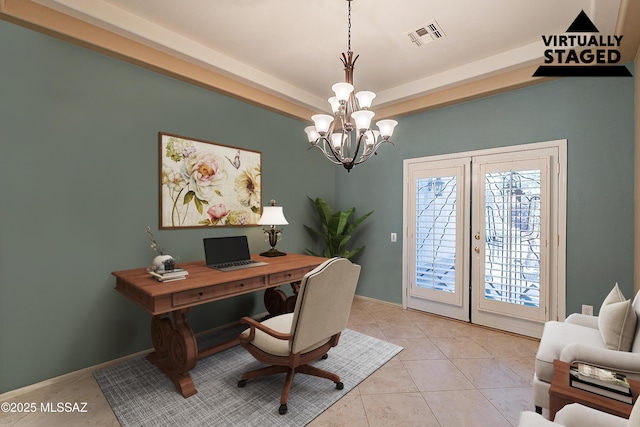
(342, 141)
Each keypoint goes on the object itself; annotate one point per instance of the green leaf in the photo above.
(324, 210)
(357, 222)
(198, 204)
(337, 230)
(350, 254)
(188, 197)
(339, 221)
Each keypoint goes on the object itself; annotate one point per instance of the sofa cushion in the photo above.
(556, 336)
(617, 321)
(634, 418)
(635, 348)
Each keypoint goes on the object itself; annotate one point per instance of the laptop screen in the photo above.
(219, 250)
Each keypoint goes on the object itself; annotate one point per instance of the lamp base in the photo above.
(272, 253)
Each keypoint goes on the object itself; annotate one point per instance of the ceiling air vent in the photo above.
(426, 33)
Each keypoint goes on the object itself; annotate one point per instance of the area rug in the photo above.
(141, 395)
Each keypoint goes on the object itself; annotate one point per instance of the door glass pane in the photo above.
(512, 235)
(435, 230)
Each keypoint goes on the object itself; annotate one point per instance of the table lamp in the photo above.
(272, 216)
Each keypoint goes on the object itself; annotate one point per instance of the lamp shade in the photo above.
(312, 133)
(322, 122)
(335, 104)
(365, 98)
(336, 140)
(363, 119)
(272, 215)
(342, 91)
(386, 127)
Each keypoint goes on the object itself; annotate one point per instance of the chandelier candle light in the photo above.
(335, 135)
(272, 215)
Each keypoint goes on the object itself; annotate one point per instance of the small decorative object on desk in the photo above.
(601, 381)
(162, 262)
(169, 276)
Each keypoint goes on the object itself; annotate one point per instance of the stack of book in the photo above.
(170, 275)
(601, 381)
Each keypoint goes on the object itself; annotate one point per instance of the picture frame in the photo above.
(206, 184)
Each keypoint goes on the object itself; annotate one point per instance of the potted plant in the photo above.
(336, 230)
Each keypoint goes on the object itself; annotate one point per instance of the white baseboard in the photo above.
(12, 394)
(27, 389)
(378, 301)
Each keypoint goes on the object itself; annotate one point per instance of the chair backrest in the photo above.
(323, 303)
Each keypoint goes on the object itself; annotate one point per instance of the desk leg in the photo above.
(276, 302)
(176, 350)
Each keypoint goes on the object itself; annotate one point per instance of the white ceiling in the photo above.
(291, 48)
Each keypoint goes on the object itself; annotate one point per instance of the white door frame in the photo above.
(557, 306)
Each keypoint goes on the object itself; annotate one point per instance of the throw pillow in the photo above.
(617, 321)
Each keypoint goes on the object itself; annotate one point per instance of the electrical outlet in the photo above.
(394, 237)
(587, 309)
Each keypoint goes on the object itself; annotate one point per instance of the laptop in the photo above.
(229, 253)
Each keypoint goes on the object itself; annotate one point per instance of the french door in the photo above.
(485, 236)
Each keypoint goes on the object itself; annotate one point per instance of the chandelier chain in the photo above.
(349, 29)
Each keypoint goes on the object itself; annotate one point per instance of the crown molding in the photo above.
(37, 17)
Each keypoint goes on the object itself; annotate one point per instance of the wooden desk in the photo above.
(561, 393)
(176, 351)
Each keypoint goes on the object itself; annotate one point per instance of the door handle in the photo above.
(477, 236)
(476, 250)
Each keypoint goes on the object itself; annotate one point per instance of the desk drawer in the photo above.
(289, 276)
(217, 291)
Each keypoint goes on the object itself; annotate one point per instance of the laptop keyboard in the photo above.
(237, 265)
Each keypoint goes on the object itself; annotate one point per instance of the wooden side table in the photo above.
(561, 393)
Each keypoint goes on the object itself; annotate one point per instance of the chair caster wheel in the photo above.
(282, 409)
(242, 383)
(339, 386)
(325, 356)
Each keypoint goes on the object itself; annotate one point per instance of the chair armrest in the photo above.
(619, 361)
(583, 320)
(254, 324)
(532, 419)
(576, 415)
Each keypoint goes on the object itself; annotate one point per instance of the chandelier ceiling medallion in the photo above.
(342, 141)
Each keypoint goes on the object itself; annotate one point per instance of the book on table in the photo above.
(600, 376)
(603, 382)
(171, 275)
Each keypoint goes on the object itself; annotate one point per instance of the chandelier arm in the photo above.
(373, 151)
(359, 144)
(330, 143)
(324, 150)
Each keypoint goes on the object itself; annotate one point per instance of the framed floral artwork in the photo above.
(205, 184)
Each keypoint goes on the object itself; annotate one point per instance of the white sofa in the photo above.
(576, 415)
(580, 338)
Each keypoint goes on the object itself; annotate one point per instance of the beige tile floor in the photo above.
(450, 373)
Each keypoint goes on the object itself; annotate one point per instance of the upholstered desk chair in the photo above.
(290, 342)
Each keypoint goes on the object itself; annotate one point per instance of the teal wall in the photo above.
(79, 173)
(595, 115)
(78, 133)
